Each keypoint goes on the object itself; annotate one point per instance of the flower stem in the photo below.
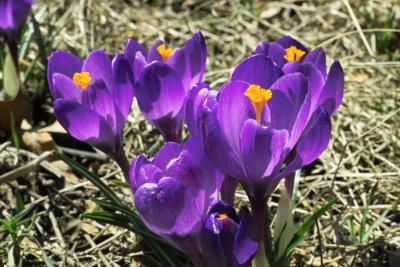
(258, 212)
(228, 189)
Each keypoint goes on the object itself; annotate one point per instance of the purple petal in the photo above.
(65, 88)
(318, 59)
(312, 143)
(122, 92)
(166, 153)
(200, 95)
(257, 70)
(166, 208)
(161, 97)
(261, 149)
(148, 173)
(246, 239)
(215, 145)
(98, 64)
(85, 125)
(159, 91)
(190, 61)
(291, 92)
(234, 109)
(13, 14)
(273, 51)
(99, 98)
(138, 65)
(332, 93)
(134, 171)
(153, 54)
(64, 63)
(287, 41)
(131, 48)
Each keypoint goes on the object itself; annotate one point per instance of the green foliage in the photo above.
(11, 82)
(364, 232)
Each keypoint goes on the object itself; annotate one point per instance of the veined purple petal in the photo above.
(98, 64)
(257, 70)
(332, 93)
(190, 61)
(291, 92)
(234, 108)
(64, 63)
(85, 125)
(312, 143)
(13, 15)
(167, 152)
(166, 208)
(123, 90)
(159, 91)
(215, 145)
(261, 149)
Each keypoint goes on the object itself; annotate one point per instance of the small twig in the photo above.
(82, 153)
(101, 255)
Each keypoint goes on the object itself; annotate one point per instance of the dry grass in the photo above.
(365, 147)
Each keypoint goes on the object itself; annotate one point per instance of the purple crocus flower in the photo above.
(263, 128)
(291, 56)
(174, 194)
(92, 99)
(164, 78)
(228, 239)
(13, 14)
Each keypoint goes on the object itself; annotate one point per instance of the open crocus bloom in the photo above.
(13, 14)
(263, 127)
(228, 239)
(164, 77)
(174, 191)
(92, 98)
(291, 56)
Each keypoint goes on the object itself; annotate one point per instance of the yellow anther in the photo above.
(82, 79)
(222, 216)
(293, 53)
(259, 98)
(164, 51)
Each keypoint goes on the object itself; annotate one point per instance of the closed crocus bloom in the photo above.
(13, 14)
(173, 193)
(262, 129)
(228, 239)
(92, 99)
(291, 56)
(164, 77)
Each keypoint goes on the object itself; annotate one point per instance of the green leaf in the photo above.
(91, 177)
(14, 133)
(20, 202)
(307, 224)
(11, 83)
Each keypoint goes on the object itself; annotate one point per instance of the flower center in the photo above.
(259, 98)
(222, 216)
(82, 79)
(164, 51)
(293, 53)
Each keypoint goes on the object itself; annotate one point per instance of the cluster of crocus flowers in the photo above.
(176, 195)
(269, 120)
